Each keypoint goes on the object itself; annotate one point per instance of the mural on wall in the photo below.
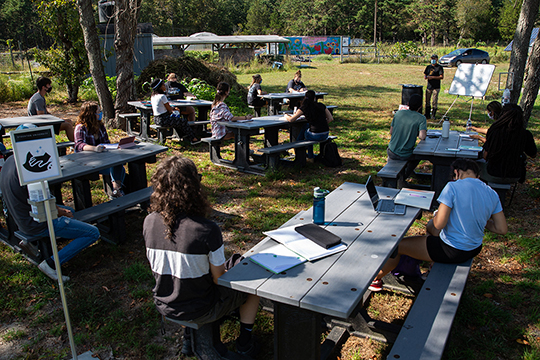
(312, 45)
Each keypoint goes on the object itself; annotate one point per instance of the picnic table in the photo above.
(334, 285)
(81, 166)
(274, 99)
(38, 120)
(243, 130)
(145, 108)
(442, 152)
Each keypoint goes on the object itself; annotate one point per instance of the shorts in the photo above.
(228, 301)
(439, 251)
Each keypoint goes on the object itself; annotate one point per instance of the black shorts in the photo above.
(57, 128)
(439, 251)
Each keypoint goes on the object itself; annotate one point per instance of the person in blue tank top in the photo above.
(455, 234)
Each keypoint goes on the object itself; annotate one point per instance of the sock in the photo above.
(245, 334)
(50, 262)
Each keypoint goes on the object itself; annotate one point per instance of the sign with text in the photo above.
(35, 154)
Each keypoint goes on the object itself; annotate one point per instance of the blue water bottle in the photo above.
(318, 205)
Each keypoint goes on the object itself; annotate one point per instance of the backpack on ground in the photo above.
(329, 155)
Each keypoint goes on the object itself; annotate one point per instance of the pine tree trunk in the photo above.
(520, 48)
(532, 82)
(93, 49)
(125, 32)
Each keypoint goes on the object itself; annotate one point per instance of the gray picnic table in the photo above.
(38, 120)
(82, 166)
(274, 99)
(334, 285)
(441, 153)
(145, 108)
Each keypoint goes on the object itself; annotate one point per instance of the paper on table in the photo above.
(471, 148)
(302, 245)
(301, 117)
(416, 198)
(277, 258)
(110, 146)
(242, 121)
(434, 132)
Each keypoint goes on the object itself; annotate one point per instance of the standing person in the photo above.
(178, 91)
(90, 135)
(296, 84)
(15, 198)
(318, 118)
(455, 234)
(186, 254)
(254, 91)
(406, 126)
(433, 73)
(38, 106)
(506, 148)
(221, 112)
(163, 113)
(494, 110)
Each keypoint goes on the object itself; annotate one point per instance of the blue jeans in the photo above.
(305, 134)
(83, 235)
(117, 173)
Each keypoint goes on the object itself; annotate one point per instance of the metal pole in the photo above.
(472, 102)
(58, 271)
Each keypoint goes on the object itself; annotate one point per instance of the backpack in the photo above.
(329, 155)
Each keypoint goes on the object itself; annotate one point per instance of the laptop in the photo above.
(385, 206)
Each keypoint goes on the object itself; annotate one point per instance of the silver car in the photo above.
(471, 56)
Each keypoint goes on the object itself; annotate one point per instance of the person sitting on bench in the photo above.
(318, 118)
(176, 90)
(455, 234)
(164, 114)
(494, 110)
(15, 197)
(221, 112)
(186, 254)
(254, 91)
(406, 126)
(90, 135)
(506, 148)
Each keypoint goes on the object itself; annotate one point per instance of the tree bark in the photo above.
(532, 82)
(520, 48)
(124, 38)
(93, 49)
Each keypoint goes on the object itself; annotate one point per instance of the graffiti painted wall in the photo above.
(311, 45)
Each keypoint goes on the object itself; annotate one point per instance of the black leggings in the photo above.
(177, 122)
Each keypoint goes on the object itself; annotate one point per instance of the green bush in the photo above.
(206, 55)
(16, 89)
(200, 88)
(87, 91)
(404, 50)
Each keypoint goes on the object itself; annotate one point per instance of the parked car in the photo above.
(471, 56)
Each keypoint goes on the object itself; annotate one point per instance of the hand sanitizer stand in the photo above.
(37, 160)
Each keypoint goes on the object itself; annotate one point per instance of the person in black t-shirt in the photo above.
(318, 118)
(177, 91)
(254, 91)
(433, 73)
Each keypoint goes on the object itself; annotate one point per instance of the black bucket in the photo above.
(408, 90)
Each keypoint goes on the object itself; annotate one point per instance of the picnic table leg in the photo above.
(273, 107)
(137, 173)
(203, 113)
(441, 176)
(145, 124)
(241, 151)
(297, 333)
(271, 136)
(82, 196)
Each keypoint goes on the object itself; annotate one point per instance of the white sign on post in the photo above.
(36, 155)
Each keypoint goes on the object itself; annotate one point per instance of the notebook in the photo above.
(277, 258)
(385, 206)
(417, 198)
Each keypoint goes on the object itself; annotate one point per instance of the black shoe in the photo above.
(251, 349)
(186, 348)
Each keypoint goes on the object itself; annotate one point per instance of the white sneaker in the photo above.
(50, 272)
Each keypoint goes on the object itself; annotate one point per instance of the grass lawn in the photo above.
(110, 292)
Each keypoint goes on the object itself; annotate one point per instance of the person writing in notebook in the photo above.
(455, 234)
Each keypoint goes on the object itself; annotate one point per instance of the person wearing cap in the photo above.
(38, 106)
(406, 126)
(163, 112)
(433, 73)
(15, 199)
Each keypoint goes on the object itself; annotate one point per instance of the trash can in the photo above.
(106, 10)
(408, 90)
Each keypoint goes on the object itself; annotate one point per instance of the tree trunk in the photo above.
(532, 82)
(73, 93)
(520, 48)
(124, 38)
(93, 49)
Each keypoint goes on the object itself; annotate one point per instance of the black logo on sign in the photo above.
(37, 163)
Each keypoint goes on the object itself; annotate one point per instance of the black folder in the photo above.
(318, 235)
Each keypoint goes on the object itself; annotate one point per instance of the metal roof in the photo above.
(534, 34)
(219, 40)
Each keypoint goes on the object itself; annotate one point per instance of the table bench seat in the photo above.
(114, 210)
(273, 152)
(130, 119)
(502, 189)
(427, 326)
(165, 131)
(392, 172)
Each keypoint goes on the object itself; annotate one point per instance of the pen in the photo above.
(420, 196)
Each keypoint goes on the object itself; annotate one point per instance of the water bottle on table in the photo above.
(319, 196)
(445, 127)
(468, 127)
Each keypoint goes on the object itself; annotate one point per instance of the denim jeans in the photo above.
(83, 235)
(117, 173)
(305, 134)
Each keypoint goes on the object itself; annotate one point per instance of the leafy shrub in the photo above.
(480, 43)
(323, 58)
(16, 89)
(200, 89)
(206, 55)
(466, 42)
(402, 50)
(87, 90)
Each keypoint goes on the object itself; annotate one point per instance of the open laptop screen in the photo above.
(372, 192)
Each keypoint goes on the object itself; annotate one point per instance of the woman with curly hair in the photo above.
(186, 254)
(90, 134)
